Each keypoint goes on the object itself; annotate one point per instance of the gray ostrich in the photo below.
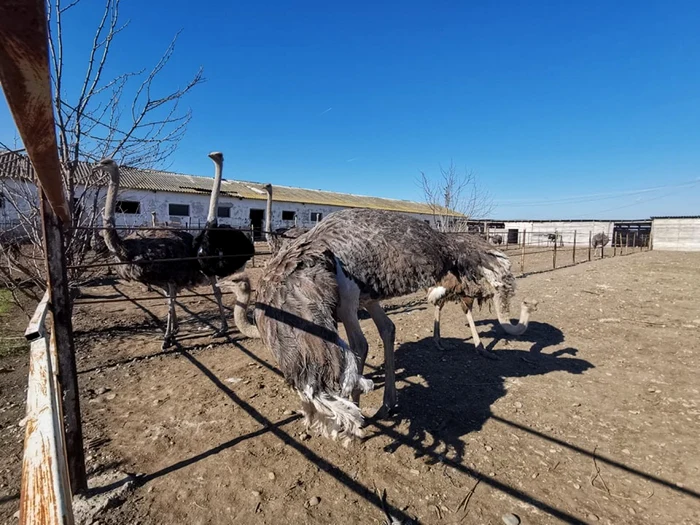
(600, 239)
(138, 255)
(480, 287)
(353, 259)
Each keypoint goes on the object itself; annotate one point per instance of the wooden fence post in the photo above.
(634, 240)
(614, 243)
(627, 241)
(554, 253)
(573, 256)
(590, 242)
(63, 335)
(522, 253)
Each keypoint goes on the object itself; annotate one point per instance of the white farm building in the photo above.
(183, 200)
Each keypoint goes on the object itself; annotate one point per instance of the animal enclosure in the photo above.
(578, 422)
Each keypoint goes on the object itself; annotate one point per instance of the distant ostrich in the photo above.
(479, 288)
(600, 239)
(353, 258)
(497, 239)
(232, 248)
(280, 239)
(137, 255)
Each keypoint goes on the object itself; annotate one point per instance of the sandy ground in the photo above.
(590, 417)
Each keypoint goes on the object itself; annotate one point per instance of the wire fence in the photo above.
(537, 251)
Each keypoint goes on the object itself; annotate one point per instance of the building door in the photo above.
(512, 236)
(256, 219)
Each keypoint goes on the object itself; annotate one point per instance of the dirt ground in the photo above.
(591, 417)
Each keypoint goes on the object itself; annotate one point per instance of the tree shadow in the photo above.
(449, 395)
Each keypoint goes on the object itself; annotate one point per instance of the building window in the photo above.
(316, 216)
(223, 212)
(131, 207)
(288, 215)
(179, 210)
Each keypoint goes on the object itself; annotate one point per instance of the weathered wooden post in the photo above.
(26, 82)
(614, 243)
(252, 239)
(590, 244)
(554, 253)
(627, 241)
(634, 239)
(522, 254)
(268, 213)
(573, 253)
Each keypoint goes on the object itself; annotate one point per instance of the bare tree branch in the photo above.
(128, 117)
(455, 199)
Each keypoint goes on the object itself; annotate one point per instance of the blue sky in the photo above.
(546, 102)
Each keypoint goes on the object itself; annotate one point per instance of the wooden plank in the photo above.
(36, 326)
(63, 334)
(45, 495)
(26, 81)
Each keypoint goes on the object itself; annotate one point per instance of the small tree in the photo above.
(128, 117)
(455, 198)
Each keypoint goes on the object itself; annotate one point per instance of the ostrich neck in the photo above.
(240, 315)
(511, 329)
(216, 188)
(111, 238)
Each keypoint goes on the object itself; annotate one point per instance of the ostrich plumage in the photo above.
(492, 280)
(600, 239)
(139, 256)
(231, 248)
(352, 259)
(280, 239)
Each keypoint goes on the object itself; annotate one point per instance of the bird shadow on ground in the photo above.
(447, 395)
(541, 335)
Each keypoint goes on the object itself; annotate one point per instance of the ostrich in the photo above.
(353, 259)
(466, 291)
(280, 239)
(497, 239)
(232, 247)
(600, 239)
(138, 255)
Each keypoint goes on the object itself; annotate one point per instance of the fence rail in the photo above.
(46, 494)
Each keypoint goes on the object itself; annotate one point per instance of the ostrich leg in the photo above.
(477, 340)
(436, 327)
(387, 332)
(347, 313)
(217, 295)
(171, 326)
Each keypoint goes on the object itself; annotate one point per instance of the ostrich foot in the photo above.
(168, 341)
(221, 332)
(485, 353)
(386, 412)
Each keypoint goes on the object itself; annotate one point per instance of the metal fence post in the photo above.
(554, 253)
(573, 255)
(590, 242)
(63, 334)
(522, 253)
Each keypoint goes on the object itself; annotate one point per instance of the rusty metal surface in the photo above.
(45, 495)
(26, 81)
(37, 325)
(62, 333)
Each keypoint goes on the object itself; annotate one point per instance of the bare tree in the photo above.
(129, 117)
(455, 198)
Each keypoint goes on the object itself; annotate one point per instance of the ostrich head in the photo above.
(216, 156)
